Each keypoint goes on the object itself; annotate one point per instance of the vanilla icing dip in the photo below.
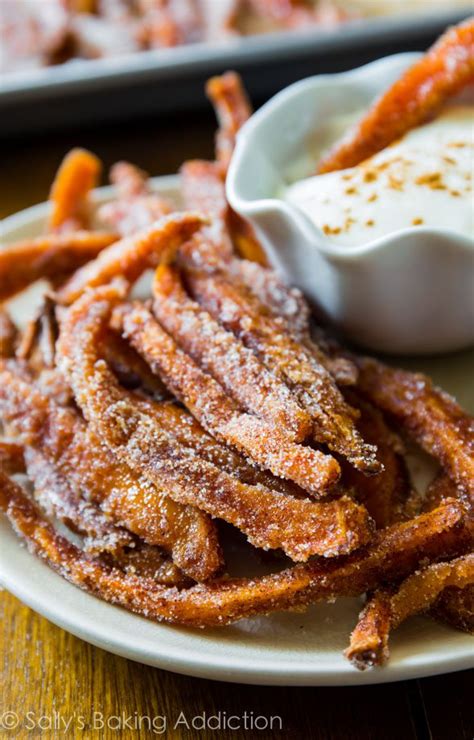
(422, 180)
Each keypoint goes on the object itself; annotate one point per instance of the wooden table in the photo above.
(46, 671)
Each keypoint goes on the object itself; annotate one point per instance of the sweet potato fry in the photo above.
(455, 606)
(35, 355)
(429, 415)
(384, 495)
(289, 360)
(232, 108)
(136, 206)
(12, 460)
(385, 611)
(78, 174)
(245, 240)
(268, 518)
(83, 6)
(8, 335)
(146, 561)
(183, 531)
(130, 368)
(39, 338)
(50, 256)
(179, 424)
(109, 544)
(441, 487)
(268, 446)
(132, 371)
(102, 538)
(369, 639)
(220, 354)
(131, 256)
(129, 180)
(55, 496)
(421, 91)
(393, 553)
(289, 309)
(62, 437)
(203, 189)
(282, 301)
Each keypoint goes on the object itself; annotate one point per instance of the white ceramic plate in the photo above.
(283, 649)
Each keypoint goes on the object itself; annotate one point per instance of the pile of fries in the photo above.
(144, 424)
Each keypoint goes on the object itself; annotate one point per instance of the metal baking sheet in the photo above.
(158, 82)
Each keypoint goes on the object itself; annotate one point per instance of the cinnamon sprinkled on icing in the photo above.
(424, 178)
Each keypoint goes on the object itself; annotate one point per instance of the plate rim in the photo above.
(261, 671)
(203, 664)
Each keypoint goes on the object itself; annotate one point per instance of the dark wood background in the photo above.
(44, 669)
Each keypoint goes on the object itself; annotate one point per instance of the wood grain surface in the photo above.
(48, 677)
